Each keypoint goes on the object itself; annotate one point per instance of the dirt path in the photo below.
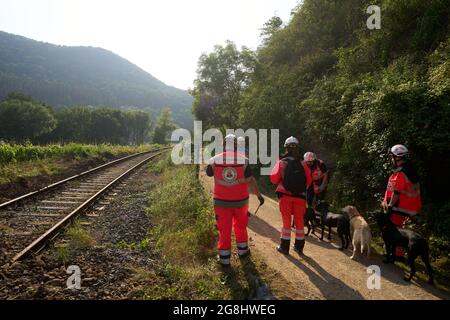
(325, 272)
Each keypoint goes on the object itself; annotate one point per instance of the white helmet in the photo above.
(399, 150)
(230, 137)
(291, 141)
(241, 140)
(309, 156)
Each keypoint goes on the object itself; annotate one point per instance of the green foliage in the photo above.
(24, 119)
(185, 235)
(27, 152)
(78, 236)
(140, 246)
(63, 253)
(350, 93)
(270, 28)
(221, 78)
(102, 125)
(164, 127)
(162, 165)
(185, 226)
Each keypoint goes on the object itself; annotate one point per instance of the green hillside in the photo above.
(71, 76)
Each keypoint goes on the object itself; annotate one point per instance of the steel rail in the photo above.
(59, 183)
(39, 243)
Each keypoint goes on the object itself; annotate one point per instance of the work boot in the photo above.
(284, 246)
(222, 265)
(242, 256)
(298, 246)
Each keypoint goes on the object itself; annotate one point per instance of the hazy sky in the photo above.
(164, 37)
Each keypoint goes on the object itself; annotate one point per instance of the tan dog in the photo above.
(360, 231)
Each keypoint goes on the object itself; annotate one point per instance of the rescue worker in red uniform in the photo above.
(232, 178)
(290, 202)
(319, 175)
(402, 199)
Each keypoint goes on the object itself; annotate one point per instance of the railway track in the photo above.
(29, 222)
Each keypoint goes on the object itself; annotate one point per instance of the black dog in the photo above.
(341, 221)
(309, 220)
(414, 243)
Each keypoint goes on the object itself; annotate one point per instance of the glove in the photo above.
(261, 200)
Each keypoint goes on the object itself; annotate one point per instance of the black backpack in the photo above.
(294, 179)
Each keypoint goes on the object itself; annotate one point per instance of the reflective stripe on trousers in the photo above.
(299, 234)
(227, 219)
(285, 234)
(225, 256)
(288, 206)
(242, 248)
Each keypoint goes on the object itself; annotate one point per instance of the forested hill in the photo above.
(70, 76)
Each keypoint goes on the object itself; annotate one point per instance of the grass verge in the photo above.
(25, 161)
(185, 238)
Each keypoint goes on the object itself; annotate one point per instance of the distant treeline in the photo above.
(24, 119)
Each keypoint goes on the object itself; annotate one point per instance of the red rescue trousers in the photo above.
(297, 207)
(226, 219)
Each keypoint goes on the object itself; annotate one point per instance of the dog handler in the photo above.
(232, 177)
(291, 202)
(402, 197)
(319, 175)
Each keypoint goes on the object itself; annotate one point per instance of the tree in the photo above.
(350, 93)
(221, 78)
(73, 125)
(270, 28)
(164, 126)
(74, 76)
(139, 125)
(22, 120)
(102, 125)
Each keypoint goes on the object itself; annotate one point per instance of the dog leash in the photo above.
(257, 210)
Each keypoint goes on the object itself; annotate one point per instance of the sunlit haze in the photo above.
(164, 38)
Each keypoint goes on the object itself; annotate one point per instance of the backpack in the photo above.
(294, 179)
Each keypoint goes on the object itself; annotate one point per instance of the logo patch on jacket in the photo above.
(229, 174)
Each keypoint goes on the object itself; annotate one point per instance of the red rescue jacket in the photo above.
(317, 176)
(229, 171)
(277, 175)
(409, 202)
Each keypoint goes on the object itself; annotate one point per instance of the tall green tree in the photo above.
(350, 93)
(139, 125)
(22, 120)
(222, 76)
(270, 28)
(163, 127)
